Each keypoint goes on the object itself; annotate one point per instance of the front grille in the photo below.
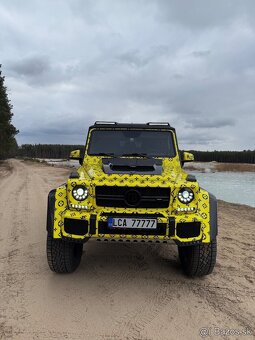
(132, 197)
(104, 229)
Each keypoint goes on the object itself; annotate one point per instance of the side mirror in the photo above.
(76, 154)
(187, 157)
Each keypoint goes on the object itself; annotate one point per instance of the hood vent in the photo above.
(132, 166)
(127, 168)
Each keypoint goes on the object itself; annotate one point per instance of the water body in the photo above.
(234, 187)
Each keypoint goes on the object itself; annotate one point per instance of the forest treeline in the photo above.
(8, 144)
(245, 156)
(60, 151)
(63, 151)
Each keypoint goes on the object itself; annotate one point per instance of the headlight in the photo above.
(186, 195)
(80, 193)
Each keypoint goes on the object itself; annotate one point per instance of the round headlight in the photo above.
(80, 193)
(185, 195)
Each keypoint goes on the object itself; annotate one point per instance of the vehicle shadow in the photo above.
(111, 262)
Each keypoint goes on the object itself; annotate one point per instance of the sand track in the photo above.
(131, 291)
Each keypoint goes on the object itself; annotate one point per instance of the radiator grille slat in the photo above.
(132, 197)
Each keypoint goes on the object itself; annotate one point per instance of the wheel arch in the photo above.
(213, 216)
(51, 211)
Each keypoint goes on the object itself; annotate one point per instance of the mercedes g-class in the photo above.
(131, 187)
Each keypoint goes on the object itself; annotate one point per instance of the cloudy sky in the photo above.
(70, 62)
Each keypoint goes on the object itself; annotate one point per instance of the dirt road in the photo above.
(120, 291)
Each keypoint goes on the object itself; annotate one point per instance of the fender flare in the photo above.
(50, 212)
(213, 216)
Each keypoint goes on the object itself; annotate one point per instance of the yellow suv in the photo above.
(131, 187)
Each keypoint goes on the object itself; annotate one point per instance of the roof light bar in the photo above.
(158, 123)
(105, 123)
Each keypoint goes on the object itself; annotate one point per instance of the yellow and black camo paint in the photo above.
(64, 198)
(92, 175)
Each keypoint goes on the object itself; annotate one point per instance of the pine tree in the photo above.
(8, 144)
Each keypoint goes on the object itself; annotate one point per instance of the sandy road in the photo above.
(120, 291)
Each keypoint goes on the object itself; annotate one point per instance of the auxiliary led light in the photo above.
(80, 193)
(77, 206)
(185, 195)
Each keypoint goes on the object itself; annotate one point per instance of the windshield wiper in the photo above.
(137, 154)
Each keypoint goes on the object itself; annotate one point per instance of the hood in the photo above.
(130, 166)
(132, 171)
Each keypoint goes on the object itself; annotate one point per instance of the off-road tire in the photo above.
(63, 256)
(198, 260)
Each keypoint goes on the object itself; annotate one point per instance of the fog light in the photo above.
(185, 209)
(78, 206)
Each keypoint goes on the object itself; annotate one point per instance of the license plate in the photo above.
(132, 223)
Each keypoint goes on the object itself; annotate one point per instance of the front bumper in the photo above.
(81, 225)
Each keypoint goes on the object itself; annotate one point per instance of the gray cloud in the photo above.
(200, 54)
(138, 58)
(133, 58)
(190, 64)
(40, 71)
(33, 66)
(211, 123)
(200, 14)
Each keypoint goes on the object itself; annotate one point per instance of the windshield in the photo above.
(131, 143)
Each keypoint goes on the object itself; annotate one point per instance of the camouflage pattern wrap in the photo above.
(91, 175)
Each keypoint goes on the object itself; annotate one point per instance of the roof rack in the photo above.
(158, 123)
(105, 123)
(163, 125)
